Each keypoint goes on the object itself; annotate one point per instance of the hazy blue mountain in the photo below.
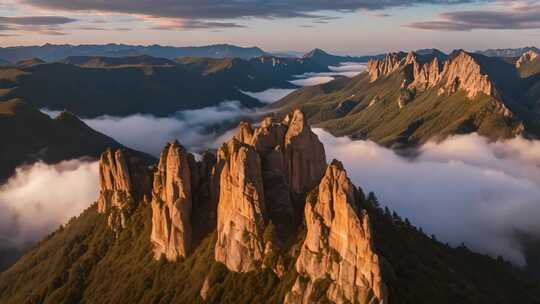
(508, 52)
(54, 52)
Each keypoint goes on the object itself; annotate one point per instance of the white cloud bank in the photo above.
(464, 189)
(196, 129)
(347, 69)
(39, 198)
(270, 95)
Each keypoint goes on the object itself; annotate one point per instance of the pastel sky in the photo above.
(341, 26)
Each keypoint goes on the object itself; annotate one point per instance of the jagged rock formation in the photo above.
(124, 183)
(381, 68)
(172, 203)
(262, 170)
(526, 58)
(241, 209)
(405, 100)
(306, 157)
(333, 260)
(338, 247)
(461, 72)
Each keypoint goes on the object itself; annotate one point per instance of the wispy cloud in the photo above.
(514, 15)
(36, 20)
(45, 25)
(203, 13)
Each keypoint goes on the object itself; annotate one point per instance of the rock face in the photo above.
(261, 171)
(204, 194)
(462, 72)
(241, 208)
(305, 154)
(171, 204)
(338, 250)
(526, 58)
(124, 183)
(380, 68)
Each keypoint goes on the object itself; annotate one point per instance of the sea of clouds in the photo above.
(347, 69)
(40, 197)
(464, 189)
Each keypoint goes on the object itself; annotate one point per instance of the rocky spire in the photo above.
(380, 68)
(304, 154)
(338, 246)
(261, 170)
(124, 181)
(241, 208)
(421, 72)
(172, 203)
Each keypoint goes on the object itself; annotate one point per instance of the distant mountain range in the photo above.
(508, 52)
(407, 99)
(54, 52)
(90, 86)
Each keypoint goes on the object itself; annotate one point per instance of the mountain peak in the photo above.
(315, 52)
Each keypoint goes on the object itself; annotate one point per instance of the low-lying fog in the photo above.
(197, 129)
(464, 189)
(348, 69)
(40, 197)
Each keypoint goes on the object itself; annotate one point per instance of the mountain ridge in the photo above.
(29, 135)
(421, 98)
(92, 86)
(54, 52)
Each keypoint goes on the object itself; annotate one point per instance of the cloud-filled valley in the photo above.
(40, 197)
(464, 189)
(347, 69)
(270, 95)
(196, 129)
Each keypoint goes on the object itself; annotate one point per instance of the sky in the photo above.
(353, 27)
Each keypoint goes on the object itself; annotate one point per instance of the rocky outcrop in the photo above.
(125, 181)
(172, 203)
(421, 72)
(380, 68)
(464, 72)
(289, 146)
(338, 251)
(241, 208)
(526, 58)
(304, 153)
(261, 170)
